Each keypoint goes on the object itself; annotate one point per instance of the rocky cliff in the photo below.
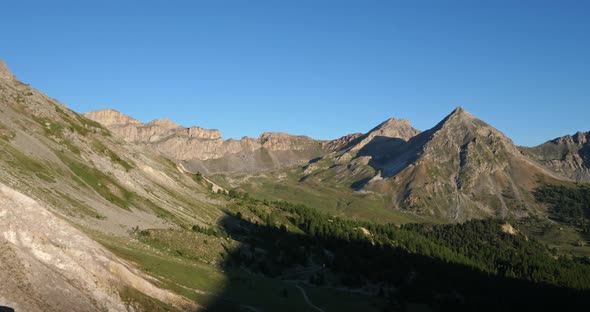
(568, 155)
(205, 151)
(5, 73)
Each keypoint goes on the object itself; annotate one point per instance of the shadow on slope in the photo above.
(389, 278)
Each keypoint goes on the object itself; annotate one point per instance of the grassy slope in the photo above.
(567, 239)
(229, 290)
(339, 200)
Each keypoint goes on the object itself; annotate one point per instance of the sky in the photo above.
(320, 68)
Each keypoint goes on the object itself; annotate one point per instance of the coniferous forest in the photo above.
(483, 263)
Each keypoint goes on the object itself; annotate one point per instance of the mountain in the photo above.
(568, 155)
(203, 150)
(460, 169)
(65, 183)
(379, 140)
(90, 222)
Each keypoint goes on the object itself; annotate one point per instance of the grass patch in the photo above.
(101, 183)
(339, 201)
(45, 177)
(227, 290)
(566, 239)
(100, 148)
(80, 207)
(27, 165)
(51, 127)
(142, 302)
(5, 133)
(71, 146)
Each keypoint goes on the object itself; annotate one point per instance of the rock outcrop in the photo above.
(460, 169)
(111, 118)
(568, 155)
(5, 73)
(205, 150)
(399, 129)
(43, 258)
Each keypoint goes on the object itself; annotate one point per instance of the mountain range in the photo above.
(462, 168)
(101, 212)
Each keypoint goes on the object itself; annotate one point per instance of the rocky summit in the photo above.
(5, 73)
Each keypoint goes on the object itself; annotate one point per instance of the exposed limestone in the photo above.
(111, 117)
(5, 73)
(508, 229)
(44, 257)
(201, 133)
(391, 128)
(342, 142)
(568, 155)
(195, 145)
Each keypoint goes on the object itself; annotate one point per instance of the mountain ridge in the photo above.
(204, 150)
(568, 155)
(458, 157)
(91, 222)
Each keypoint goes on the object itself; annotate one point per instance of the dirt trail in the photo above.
(307, 299)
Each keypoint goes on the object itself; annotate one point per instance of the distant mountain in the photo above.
(379, 141)
(462, 168)
(568, 155)
(202, 150)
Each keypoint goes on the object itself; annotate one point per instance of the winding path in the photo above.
(307, 299)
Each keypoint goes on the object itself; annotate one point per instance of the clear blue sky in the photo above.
(319, 68)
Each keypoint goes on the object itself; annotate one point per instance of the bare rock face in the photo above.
(44, 257)
(379, 143)
(5, 73)
(201, 133)
(111, 117)
(462, 168)
(391, 128)
(343, 142)
(568, 155)
(279, 141)
(205, 150)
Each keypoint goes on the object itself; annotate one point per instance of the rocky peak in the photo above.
(164, 123)
(111, 117)
(394, 128)
(568, 155)
(343, 142)
(458, 116)
(461, 128)
(5, 73)
(390, 129)
(579, 138)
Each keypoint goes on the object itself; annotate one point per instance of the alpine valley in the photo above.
(101, 212)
